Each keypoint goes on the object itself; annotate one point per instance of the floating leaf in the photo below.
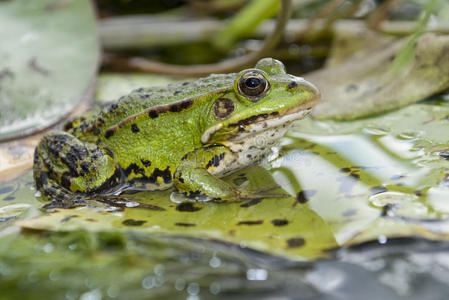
(365, 84)
(49, 55)
(277, 226)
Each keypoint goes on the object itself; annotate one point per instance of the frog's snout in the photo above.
(300, 84)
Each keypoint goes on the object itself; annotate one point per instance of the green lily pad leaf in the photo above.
(366, 84)
(49, 56)
(16, 157)
(276, 226)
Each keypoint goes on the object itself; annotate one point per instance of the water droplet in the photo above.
(382, 239)
(159, 270)
(92, 295)
(54, 275)
(48, 248)
(407, 136)
(33, 276)
(215, 288)
(71, 295)
(193, 288)
(374, 131)
(148, 282)
(113, 291)
(256, 274)
(180, 284)
(132, 204)
(214, 262)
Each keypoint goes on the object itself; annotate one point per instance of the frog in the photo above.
(186, 136)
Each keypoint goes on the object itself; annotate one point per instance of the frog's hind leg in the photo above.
(66, 168)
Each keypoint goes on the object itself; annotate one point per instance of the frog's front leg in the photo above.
(194, 177)
(64, 167)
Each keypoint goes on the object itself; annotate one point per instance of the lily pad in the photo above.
(16, 157)
(276, 226)
(48, 62)
(364, 84)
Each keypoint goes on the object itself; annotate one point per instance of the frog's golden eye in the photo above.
(253, 85)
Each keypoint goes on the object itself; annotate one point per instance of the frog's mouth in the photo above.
(262, 122)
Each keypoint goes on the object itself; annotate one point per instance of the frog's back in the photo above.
(145, 98)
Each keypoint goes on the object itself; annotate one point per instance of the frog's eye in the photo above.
(253, 85)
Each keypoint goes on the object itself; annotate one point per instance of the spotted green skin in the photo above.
(181, 135)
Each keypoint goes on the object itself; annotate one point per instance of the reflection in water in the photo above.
(359, 179)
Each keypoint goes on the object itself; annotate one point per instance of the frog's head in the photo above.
(263, 98)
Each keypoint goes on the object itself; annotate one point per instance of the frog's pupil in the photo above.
(252, 82)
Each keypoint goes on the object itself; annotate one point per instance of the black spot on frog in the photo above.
(135, 128)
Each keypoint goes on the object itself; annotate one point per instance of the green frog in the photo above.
(185, 136)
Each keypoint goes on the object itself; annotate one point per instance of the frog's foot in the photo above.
(65, 167)
(193, 179)
(59, 196)
(67, 200)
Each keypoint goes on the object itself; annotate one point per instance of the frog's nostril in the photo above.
(292, 85)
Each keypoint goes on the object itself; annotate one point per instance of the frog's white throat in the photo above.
(256, 142)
